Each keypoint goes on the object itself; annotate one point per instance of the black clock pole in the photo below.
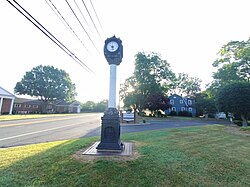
(110, 130)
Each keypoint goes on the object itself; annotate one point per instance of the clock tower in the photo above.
(110, 130)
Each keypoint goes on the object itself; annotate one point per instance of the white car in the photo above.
(221, 115)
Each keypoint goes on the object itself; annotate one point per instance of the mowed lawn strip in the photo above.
(193, 156)
(31, 116)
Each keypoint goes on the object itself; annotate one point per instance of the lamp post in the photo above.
(110, 130)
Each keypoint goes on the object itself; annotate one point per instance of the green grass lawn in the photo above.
(194, 156)
(30, 116)
(245, 129)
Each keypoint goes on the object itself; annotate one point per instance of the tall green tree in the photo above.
(235, 98)
(151, 75)
(89, 106)
(47, 83)
(101, 106)
(205, 103)
(188, 85)
(233, 62)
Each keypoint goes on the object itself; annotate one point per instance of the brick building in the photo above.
(27, 106)
(31, 106)
(6, 101)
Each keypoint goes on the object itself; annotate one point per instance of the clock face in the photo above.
(112, 46)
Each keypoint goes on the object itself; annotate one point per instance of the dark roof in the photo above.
(39, 102)
(27, 101)
(64, 103)
(180, 96)
(21, 100)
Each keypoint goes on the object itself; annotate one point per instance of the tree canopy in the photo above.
(187, 85)
(235, 98)
(47, 83)
(233, 63)
(151, 75)
(205, 103)
(156, 102)
(91, 106)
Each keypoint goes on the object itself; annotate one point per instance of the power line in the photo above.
(97, 17)
(63, 20)
(82, 26)
(49, 35)
(92, 19)
(83, 16)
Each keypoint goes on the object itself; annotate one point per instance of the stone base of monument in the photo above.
(127, 151)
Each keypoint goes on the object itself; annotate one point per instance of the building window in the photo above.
(35, 106)
(182, 108)
(172, 102)
(190, 109)
(17, 105)
(189, 102)
(27, 106)
(181, 101)
(173, 109)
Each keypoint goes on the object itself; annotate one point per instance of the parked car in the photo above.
(220, 115)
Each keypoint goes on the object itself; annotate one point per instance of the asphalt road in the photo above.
(23, 132)
(159, 124)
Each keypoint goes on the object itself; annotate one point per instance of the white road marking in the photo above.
(36, 132)
(46, 120)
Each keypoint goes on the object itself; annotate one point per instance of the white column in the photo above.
(1, 103)
(112, 87)
(11, 106)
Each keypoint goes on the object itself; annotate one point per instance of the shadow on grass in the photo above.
(44, 164)
(197, 156)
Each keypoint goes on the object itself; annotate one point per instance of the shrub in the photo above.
(173, 113)
(185, 113)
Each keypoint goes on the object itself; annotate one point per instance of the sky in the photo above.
(188, 34)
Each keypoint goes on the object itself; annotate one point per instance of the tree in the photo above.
(47, 83)
(101, 106)
(235, 98)
(91, 106)
(233, 62)
(134, 101)
(151, 75)
(205, 103)
(88, 106)
(156, 102)
(188, 85)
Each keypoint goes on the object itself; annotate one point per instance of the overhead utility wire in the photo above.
(51, 37)
(83, 17)
(63, 20)
(97, 17)
(92, 20)
(82, 26)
